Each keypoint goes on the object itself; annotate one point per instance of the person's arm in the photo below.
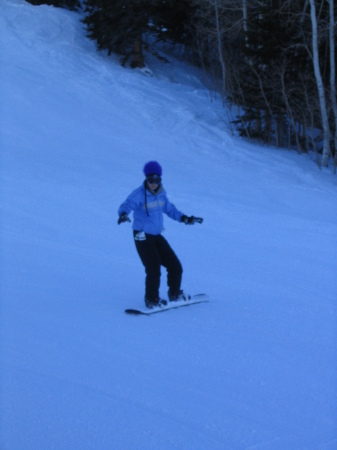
(126, 207)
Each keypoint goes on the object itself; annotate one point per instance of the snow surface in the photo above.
(256, 368)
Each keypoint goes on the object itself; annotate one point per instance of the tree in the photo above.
(259, 71)
(170, 21)
(120, 25)
(274, 59)
(333, 72)
(320, 87)
(69, 4)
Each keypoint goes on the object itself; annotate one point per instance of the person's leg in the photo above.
(172, 264)
(151, 260)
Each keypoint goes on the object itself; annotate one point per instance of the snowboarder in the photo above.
(148, 203)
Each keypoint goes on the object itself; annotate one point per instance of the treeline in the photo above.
(272, 59)
(68, 4)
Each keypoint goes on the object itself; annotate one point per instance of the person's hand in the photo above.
(123, 218)
(191, 220)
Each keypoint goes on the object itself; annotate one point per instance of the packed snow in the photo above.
(256, 367)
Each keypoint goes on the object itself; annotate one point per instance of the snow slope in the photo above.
(256, 367)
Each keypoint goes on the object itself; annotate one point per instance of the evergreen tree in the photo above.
(68, 4)
(119, 25)
(171, 20)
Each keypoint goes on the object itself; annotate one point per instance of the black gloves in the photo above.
(185, 219)
(191, 220)
(123, 218)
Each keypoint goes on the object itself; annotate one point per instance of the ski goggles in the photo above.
(153, 179)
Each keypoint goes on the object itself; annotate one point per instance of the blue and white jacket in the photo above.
(148, 209)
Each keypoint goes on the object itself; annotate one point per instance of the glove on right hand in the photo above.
(123, 218)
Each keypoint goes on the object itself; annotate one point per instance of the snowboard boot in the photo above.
(178, 296)
(157, 303)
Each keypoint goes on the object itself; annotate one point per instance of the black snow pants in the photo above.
(155, 251)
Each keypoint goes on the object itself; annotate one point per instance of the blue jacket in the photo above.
(148, 209)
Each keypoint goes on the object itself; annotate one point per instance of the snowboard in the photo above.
(198, 298)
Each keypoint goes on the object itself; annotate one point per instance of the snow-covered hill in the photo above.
(256, 367)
